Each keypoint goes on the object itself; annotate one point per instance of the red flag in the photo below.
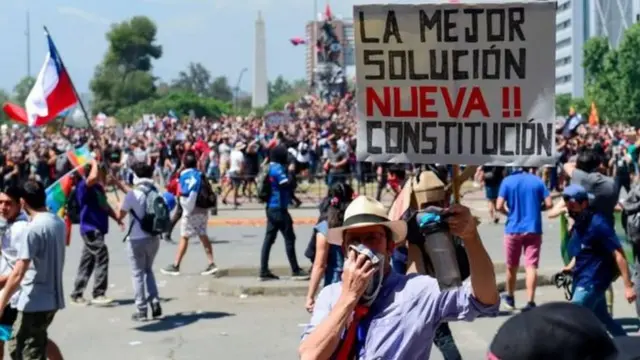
(298, 41)
(327, 13)
(52, 93)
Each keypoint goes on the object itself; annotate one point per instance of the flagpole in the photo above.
(73, 87)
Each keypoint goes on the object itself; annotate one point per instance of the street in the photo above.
(202, 325)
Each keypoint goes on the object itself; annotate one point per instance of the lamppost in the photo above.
(237, 89)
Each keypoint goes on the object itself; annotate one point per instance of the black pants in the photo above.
(279, 220)
(175, 217)
(443, 340)
(94, 260)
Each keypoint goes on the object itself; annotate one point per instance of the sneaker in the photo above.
(508, 302)
(140, 315)
(530, 305)
(210, 270)
(156, 310)
(101, 300)
(79, 300)
(300, 275)
(171, 270)
(167, 238)
(268, 276)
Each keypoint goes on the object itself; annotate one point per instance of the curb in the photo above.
(237, 282)
(287, 287)
(285, 271)
(257, 221)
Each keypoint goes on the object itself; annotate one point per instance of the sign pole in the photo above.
(455, 180)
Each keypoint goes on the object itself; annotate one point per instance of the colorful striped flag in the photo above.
(58, 193)
(57, 196)
(79, 157)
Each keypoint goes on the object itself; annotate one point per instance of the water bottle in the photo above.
(438, 245)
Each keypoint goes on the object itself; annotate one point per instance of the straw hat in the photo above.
(366, 211)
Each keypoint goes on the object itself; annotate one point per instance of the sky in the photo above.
(217, 33)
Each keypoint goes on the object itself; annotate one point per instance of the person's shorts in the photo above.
(236, 179)
(301, 166)
(9, 316)
(516, 244)
(194, 224)
(491, 192)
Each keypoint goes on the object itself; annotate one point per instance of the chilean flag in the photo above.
(51, 94)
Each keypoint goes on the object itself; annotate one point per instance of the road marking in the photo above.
(257, 221)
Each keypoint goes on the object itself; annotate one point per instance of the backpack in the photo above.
(156, 219)
(207, 198)
(72, 207)
(263, 184)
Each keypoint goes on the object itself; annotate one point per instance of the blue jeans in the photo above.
(596, 302)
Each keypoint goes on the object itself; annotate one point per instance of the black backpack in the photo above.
(207, 198)
(157, 218)
(263, 184)
(72, 207)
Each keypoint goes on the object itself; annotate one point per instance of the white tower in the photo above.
(260, 96)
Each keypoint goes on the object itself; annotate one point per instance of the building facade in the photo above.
(579, 20)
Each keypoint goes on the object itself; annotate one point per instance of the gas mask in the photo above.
(375, 284)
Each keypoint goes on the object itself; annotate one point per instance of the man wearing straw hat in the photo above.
(400, 315)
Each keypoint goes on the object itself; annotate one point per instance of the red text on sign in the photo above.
(463, 103)
(511, 100)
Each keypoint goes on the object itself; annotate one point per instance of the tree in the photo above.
(628, 80)
(563, 103)
(279, 88)
(220, 89)
(196, 79)
(179, 101)
(22, 90)
(600, 73)
(4, 97)
(124, 76)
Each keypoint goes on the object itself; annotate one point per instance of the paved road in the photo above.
(201, 326)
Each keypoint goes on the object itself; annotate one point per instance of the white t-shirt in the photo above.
(14, 232)
(135, 201)
(224, 151)
(303, 153)
(236, 161)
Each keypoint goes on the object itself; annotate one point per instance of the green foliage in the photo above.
(124, 77)
(278, 88)
(563, 103)
(612, 76)
(279, 103)
(198, 80)
(4, 97)
(180, 102)
(22, 90)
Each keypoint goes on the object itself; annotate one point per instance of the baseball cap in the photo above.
(559, 331)
(576, 193)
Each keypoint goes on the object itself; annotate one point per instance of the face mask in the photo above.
(580, 217)
(375, 284)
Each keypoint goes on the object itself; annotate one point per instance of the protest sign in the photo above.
(277, 118)
(456, 83)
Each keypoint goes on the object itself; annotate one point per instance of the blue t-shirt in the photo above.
(593, 248)
(524, 194)
(335, 258)
(280, 189)
(94, 208)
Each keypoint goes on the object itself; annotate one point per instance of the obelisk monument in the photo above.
(260, 95)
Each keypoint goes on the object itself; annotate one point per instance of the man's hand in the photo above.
(356, 275)
(461, 223)
(630, 293)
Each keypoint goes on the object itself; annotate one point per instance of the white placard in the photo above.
(456, 83)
